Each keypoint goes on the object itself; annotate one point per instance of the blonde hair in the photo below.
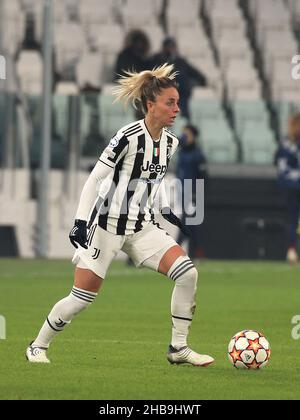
(294, 127)
(138, 88)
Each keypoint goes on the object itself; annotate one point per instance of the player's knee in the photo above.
(189, 277)
(73, 304)
(64, 311)
(81, 298)
(183, 272)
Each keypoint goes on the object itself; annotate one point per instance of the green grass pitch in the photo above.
(116, 349)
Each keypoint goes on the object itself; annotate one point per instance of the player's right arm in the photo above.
(105, 166)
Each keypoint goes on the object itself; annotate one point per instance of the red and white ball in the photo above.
(249, 349)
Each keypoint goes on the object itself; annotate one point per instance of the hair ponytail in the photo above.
(137, 88)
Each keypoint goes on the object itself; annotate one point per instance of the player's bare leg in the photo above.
(87, 280)
(86, 286)
(177, 265)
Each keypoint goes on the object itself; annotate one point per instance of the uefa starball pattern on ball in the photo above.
(249, 349)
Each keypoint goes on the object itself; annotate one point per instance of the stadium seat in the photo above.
(229, 34)
(106, 38)
(210, 5)
(278, 45)
(90, 12)
(69, 43)
(261, 10)
(291, 95)
(250, 94)
(240, 74)
(60, 11)
(294, 7)
(245, 111)
(59, 16)
(29, 70)
(61, 115)
(156, 36)
(109, 63)
(204, 94)
(226, 17)
(67, 88)
(271, 16)
(272, 38)
(212, 73)
(184, 34)
(72, 9)
(13, 26)
(217, 141)
(258, 143)
(206, 109)
(89, 70)
(229, 50)
(142, 12)
(261, 155)
(282, 83)
(180, 14)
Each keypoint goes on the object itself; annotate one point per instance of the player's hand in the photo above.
(78, 234)
(172, 218)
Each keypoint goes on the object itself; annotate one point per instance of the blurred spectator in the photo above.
(187, 77)
(191, 164)
(134, 57)
(288, 163)
(135, 54)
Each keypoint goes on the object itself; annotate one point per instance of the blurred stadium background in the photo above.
(244, 47)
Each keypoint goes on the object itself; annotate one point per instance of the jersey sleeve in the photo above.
(91, 189)
(114, 151)
(103, 170)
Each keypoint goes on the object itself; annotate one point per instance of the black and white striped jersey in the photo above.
(135, 166)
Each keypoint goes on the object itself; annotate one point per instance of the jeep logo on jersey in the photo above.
(151, 167)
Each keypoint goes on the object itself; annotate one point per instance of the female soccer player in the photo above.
(116, 212)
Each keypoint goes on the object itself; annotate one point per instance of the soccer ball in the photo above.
(249, 349)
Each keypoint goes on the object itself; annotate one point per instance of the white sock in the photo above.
(183, 305)
(62, 314)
